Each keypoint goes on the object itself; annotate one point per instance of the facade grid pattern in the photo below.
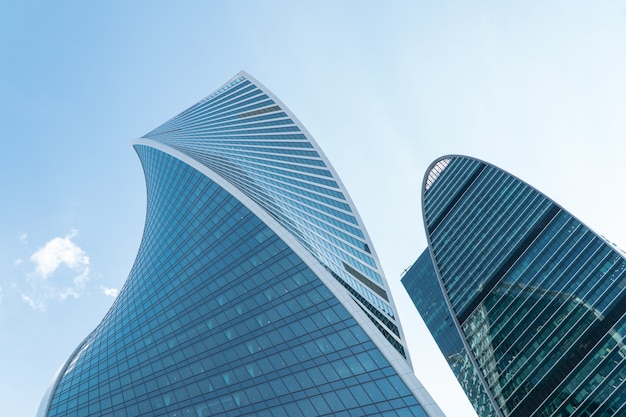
(255, 290)
(235, 134)
(422, 285)
(263, 337)
(537, 299)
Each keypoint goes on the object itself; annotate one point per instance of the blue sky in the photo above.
(537, 88)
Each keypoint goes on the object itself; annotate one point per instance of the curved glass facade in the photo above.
(247, 136)
(226, 312)
(423, 287)
(537, 297)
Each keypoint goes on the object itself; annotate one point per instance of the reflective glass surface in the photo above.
(539, 297)
(220, 317)
(423, 287)
(249, 138)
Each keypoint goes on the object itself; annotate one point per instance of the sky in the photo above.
(537, 88)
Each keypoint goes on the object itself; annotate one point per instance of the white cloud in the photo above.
(66, 293)
(61, 251)
(61, 270)
(35, 305)
(23, 237)
(111, 292)
(18, 262)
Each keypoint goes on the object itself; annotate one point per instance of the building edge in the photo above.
(44, 405)
(613, 247)
(402, 367)
(454, 317)
(348, 198)
(399, 363)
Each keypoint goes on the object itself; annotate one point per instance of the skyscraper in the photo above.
(533, 300)
(423, 287)
(256, 290)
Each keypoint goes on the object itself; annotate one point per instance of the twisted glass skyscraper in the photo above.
(527, 303)
(256, 290)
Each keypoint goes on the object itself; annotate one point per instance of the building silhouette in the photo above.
(255, 291)
(423, 287)
(525, 302)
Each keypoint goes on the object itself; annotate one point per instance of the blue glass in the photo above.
(536, 300)
(422, 285)
(233, 306)
(321, 220)
(219, 319)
